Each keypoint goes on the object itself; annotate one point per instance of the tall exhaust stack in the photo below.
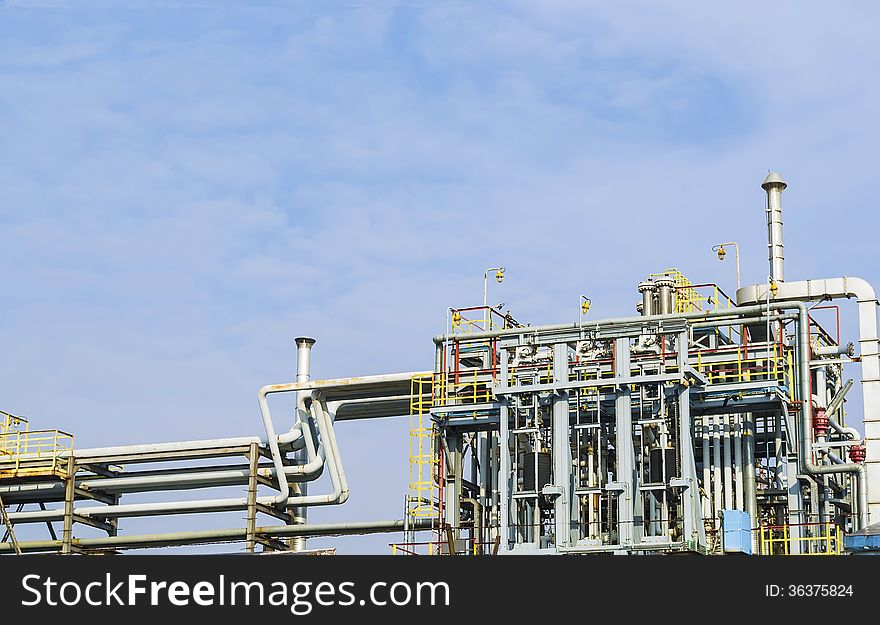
(774, 185)
(303, 374)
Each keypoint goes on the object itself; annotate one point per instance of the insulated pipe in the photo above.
(718, 323)
(199, 477)
(728, 464)
(195, 477)
(832, 408)
(738, 459)
(779, 467)
(774, 185)
(750, 491)
(806, 437)
(839, 397)
(863, 292)
(707, 465)
(341, 488)
(717, 487)
(303, 374)
(834, 350)
(851, 433)
(224, 535)
(337, 477)
(173, 479)
(734, 314)
(84, 455)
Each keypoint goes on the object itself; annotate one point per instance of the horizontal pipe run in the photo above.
(735, 313)
(85, 455)
(221, 536)
(337, 476)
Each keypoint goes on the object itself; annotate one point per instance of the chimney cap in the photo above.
(304, 340)
(772, 179)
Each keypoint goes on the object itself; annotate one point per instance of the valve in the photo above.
(821, 422)
(857, 453)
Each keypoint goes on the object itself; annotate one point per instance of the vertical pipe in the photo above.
(561, 448)
(728, 470)
(303, 374)
(591, 464)
(647, 289)
(625, 472)
(780, 464)
(666, 295)
(504, 460)
(707, 466)
(750, 492)
(774, 185)
(716, 488)
(738, 460)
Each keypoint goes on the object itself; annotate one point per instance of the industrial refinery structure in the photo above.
(705, 424)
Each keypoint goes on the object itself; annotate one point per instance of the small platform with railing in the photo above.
(26, 453)
(800, 539)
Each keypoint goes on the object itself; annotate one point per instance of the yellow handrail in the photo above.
(826, 540)
(34, 452)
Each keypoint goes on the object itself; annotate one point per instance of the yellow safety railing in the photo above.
(423, 492)
(34, 453)
(690, 298)
(464, 387)
(807, 539)
(487, 319)
(11, 423)
(687, 299)
(736, 369)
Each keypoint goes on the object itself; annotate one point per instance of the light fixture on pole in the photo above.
(499, 278)
(585, 308)
(719, 249)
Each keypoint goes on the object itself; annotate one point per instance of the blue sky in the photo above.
(187, 186)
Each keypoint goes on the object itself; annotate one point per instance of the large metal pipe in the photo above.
(717, 489)
(303, 374)
(774, 185)
(288, 440)
(666, 295)
(806, 434)
(190, 477)
(339, 495)
(734, 314)
(869, 346)
(749, 483)
(225, 535)
(738, 459)
(728, 463)
(707, 464)
(648, 289)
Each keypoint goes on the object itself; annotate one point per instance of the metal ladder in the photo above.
(9, 528)
(422, 501)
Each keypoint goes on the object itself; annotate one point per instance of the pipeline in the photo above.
(337, 476)
(806, 429)
(221, 536)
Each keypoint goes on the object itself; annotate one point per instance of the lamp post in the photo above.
(499, 278)
(584, 309)
(719, 249)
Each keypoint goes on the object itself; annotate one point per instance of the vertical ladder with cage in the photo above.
(423, 499)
